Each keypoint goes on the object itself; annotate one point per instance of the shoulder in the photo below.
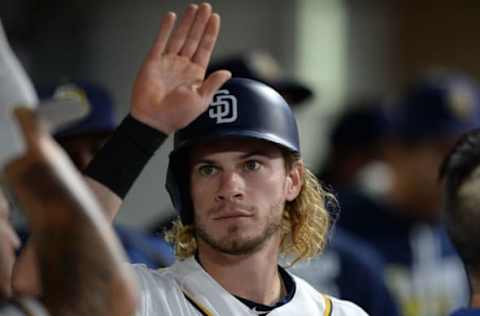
(164, 291)
(331, 305)
(159, 292)
(183, 289)
(147, 276)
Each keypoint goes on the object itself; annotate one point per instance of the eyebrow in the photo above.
(257, 153)
(242, 157)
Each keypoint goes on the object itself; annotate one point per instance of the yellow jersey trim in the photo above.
(202, 309)
(328, 305)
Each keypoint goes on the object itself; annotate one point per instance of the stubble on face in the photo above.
(233, 243)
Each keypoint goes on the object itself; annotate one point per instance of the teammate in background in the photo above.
(404, 224)
(354, 143)
(352, 270)
(261, 66)
(82, 140)
(460, 171)
(354, 265)
(235, 176)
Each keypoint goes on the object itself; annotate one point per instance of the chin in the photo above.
(242, 242)
(238, 246)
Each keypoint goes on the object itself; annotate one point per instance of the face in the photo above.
(9, 241)
(239, 189)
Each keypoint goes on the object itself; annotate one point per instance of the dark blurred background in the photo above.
(342, 49)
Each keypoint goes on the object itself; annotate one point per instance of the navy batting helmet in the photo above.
(241, 108)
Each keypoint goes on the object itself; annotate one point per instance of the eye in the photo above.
(207, 170)
(251, 165)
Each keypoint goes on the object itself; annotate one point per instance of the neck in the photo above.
(253, 276)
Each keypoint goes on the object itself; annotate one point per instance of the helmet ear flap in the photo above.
(178, 185)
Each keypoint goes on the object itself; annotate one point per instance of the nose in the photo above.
(231, 187)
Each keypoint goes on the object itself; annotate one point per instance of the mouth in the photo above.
(231, 216)
(232, 213)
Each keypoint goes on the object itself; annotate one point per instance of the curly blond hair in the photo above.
(304, 227)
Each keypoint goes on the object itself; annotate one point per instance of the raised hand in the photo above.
(170, 90)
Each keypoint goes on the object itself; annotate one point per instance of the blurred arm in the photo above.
(80, 261)
(109, 201)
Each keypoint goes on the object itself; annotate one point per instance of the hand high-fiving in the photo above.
(170, 90)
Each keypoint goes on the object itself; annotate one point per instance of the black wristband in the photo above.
(121, 160)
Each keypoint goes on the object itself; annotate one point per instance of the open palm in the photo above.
(170, 90)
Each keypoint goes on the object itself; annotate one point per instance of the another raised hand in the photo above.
(171, 90)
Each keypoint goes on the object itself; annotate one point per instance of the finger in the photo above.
(164, 33)
(196, 31)
(213, 83)
(207, 43)
(176, 40)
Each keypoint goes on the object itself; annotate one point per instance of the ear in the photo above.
(294, 181)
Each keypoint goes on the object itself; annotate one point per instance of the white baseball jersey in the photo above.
(185, 289)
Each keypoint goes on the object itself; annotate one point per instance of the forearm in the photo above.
(117, 165)
(86, 275)
(80, 261)
(109, 201)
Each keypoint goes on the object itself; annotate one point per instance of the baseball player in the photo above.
(235, 176)
(403, 222)
(461, 199)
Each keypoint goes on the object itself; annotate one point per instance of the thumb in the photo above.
(213, 83)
